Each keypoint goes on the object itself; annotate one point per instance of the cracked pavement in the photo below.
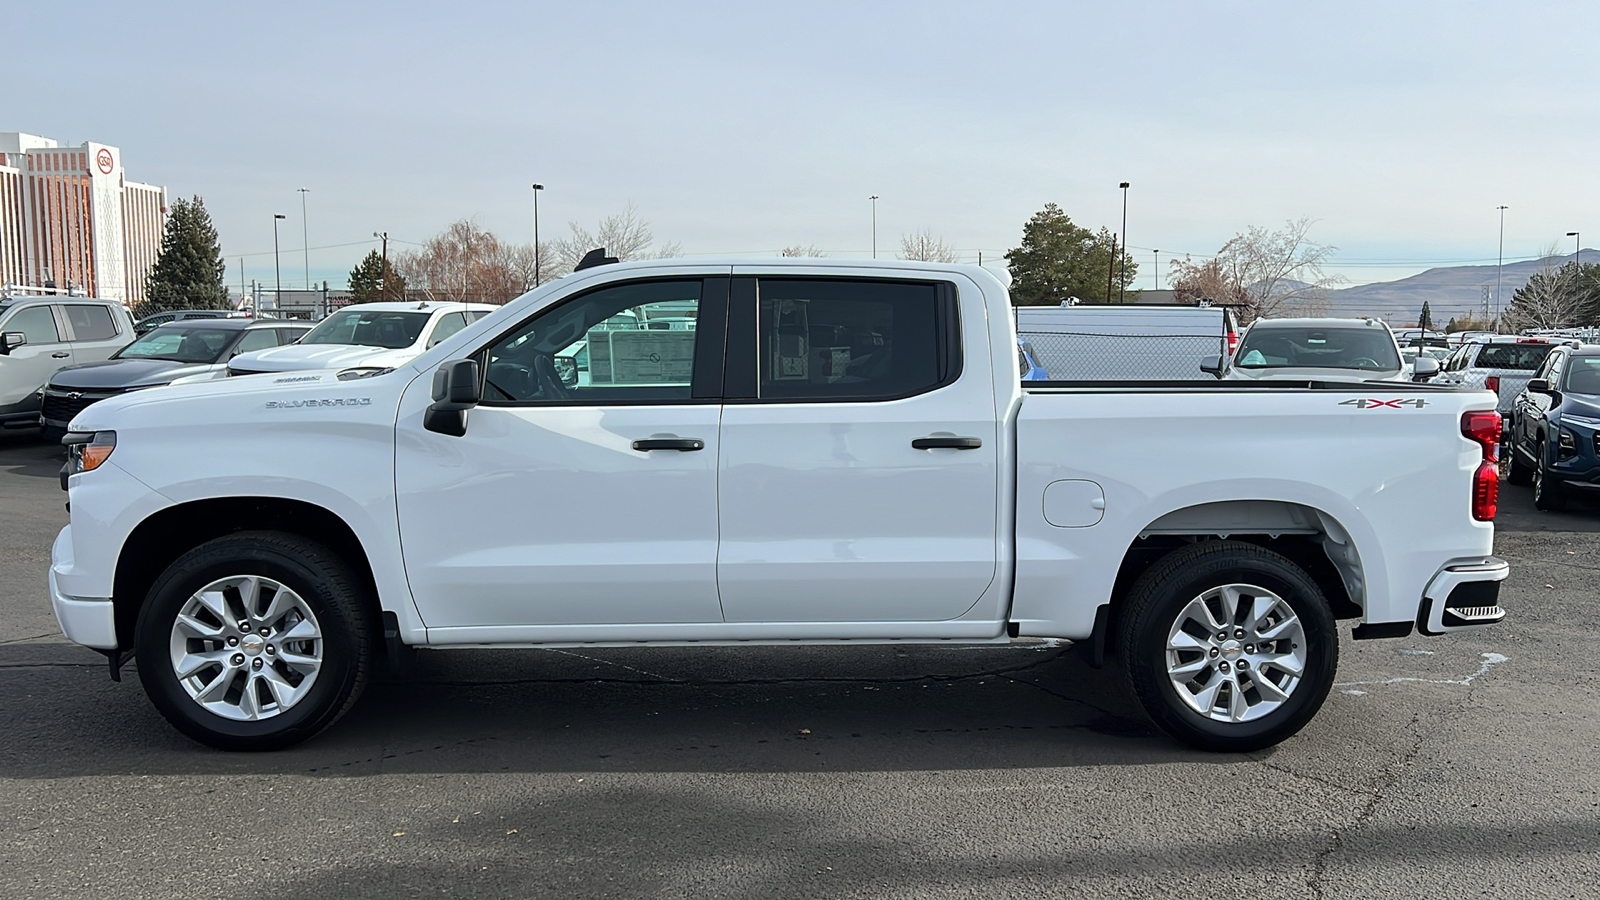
(1445, 767)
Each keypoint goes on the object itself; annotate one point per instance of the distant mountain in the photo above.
(1449, 291)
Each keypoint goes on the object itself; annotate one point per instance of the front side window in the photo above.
(627, 343)
(257, 339)
(367, 328)
(90, 322)
(1369, 349)
(36, 322)
(852, 340)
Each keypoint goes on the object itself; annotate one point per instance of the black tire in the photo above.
(327, 586)
(1548, 495)
(1521, 474)
(1159, 597)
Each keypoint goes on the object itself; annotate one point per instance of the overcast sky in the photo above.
(744, 127)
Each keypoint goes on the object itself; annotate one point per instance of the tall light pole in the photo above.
(1577, 247)
(536, 189)
(383, 266)
(305, 245)
(1122, 280)
(1499, 264)
(277, 263)
(1158, 270)
(874, 199)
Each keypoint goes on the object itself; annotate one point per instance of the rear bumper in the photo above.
(1463, 596)
(90, 621)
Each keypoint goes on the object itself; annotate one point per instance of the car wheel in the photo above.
(1547, 492)
(1521, 473)
(254, 641)
(1229, 647)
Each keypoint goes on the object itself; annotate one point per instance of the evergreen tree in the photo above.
(369, 282)
(189, 272)
(1425, 321)
(1058, 259)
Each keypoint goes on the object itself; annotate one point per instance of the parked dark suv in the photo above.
(1554, 432)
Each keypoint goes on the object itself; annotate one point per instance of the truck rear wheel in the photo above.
(1229, 647)
(254, 641)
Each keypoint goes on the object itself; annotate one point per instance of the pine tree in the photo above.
(189, 272)
(367, 281)
(1425, 321)
(1058, 259)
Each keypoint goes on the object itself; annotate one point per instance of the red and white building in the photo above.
(70, 218)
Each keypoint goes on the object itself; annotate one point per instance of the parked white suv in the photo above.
(1323, 349)
(41, 335)
(368, 335)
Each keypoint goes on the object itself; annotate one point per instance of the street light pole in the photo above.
(1577, 247)
(305, 245)
(383, 265)
(277, 264)
(1158, 270)
(536, 189)
(1122, 280)
(874, 199)
(1499, 264)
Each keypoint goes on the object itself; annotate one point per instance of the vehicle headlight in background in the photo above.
(86, 451)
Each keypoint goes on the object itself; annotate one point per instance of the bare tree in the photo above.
(924, 247)
(625, 235)
(1268, 272)
(797, 250)
(463, 263)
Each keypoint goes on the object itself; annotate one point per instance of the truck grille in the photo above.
(63, 405)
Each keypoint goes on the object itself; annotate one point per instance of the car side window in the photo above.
(37, 322)
(90, 322)
(290, 335)
(836, 339)
(628, 343)
(449, 324)
(256, 339)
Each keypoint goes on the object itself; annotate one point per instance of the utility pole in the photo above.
(1577, 248)
(383, 266)
(305, 245)
(1158, 270)
(1122, 283)
(874, 199)
(536, 189)
(1111, 268)
(277, 264)
(1500, 264)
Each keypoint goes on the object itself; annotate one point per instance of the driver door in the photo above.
(584, 490)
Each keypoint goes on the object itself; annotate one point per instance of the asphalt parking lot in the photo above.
(1445, 767)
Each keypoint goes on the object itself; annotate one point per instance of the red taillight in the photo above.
(1483, 428)
(1492, 383)
(1233, 342)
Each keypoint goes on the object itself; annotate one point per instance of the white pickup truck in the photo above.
(811, 451)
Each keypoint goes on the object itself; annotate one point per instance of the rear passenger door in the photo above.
(95, 334)
(859, 467)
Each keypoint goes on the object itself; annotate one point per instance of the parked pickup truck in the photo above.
(833, 453)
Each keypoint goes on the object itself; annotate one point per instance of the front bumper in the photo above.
(90, 621)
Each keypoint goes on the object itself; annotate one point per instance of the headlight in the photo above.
(86, 451)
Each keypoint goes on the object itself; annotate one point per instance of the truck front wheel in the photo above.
(1229, 646)
(254, 641)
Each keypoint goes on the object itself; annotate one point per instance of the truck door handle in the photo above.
(60, 355)
(684, 444)
(946, 443)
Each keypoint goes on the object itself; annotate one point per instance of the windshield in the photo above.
(367, 328)
(1369, 349)
(1583, 375)
(188, 345)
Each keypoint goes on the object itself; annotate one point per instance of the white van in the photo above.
(1126, 342)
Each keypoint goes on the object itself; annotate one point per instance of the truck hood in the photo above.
(232, 399)
(125, 373)
(1310, 374)
(300, 357)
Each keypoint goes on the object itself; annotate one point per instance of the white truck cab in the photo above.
(835, 451)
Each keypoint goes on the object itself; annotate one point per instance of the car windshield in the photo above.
(1311, 347)
(368, 328)
(1583, 375)
(1517, 357)
(188, 345)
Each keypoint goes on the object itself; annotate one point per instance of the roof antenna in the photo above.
(595, 257)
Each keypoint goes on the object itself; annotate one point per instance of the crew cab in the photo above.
(837, 452)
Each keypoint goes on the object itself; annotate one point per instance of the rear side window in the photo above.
(1517, 357)
(854, 340)
(36, 322)
(257, 339)
(90, 322)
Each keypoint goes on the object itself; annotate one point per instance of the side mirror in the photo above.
(1424, 368)
(455, 390)
(12, 340)
(1211, 365)
(1539, 385)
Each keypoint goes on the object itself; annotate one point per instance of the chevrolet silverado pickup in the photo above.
(796, 451)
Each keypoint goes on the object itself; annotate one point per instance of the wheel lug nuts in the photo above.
(256, 665)
(1223, 666)
(244, 627)
(271, 649)
(1243, 663)
(238, 659)
(1249, 648)
(233, 642)
(1214, 651)
(1238, 632)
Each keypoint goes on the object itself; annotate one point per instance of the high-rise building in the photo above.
(70, 219)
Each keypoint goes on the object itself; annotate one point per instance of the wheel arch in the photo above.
(155, 543)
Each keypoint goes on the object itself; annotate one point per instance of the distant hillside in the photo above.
(1449, 291)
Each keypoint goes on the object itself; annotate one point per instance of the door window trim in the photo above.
(744, 341)
(705, 378)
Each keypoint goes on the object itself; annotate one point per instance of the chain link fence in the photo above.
(1090, 356)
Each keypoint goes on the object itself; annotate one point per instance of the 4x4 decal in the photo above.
(1396, 403)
